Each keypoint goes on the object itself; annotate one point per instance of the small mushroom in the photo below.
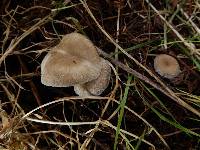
(166, 66)
(97, 86)
(74, 61)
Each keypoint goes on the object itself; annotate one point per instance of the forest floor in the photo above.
(139, 110)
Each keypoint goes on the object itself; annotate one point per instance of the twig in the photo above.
(190, 20)
(20, 38)
(150, 82)
(131, 71)
(32, 85)
(189, 45)
(171, 93)
(19, 76)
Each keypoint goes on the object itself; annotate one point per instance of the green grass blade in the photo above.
(123, 102)
(184, 129)
(172, 122)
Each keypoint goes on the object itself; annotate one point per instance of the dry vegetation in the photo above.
(139, 109)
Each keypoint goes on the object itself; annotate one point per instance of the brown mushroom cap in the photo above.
(97, 86)
(166, 66)
(73, 61)
(79, 45)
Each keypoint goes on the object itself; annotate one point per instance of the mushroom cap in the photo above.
(97, 86)
(73, 61)
(79, 45)
(166, 66)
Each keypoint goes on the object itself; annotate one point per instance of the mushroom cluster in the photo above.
(75, 62)
(166, 66)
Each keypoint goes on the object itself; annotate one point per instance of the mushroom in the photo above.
(74, 61)
(97, 86)
(166, 66)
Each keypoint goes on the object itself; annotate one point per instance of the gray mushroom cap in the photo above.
(166, 66)
(96, 86)
(73, 61)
